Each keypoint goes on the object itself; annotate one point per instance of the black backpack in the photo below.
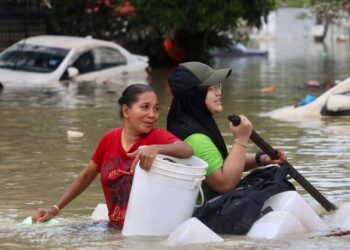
(234, 212)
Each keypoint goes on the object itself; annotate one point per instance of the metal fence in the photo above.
(20, 19)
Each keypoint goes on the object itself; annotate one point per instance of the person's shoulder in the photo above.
(203, 146)
(200, 140)
(160, 131)
(156, 129)
(197, 136)
(113, 132)
(163, 136)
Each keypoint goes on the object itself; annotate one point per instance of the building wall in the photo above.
(287, 22)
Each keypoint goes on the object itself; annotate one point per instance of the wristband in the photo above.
(240, 143)
(57, 208)
(258, 156)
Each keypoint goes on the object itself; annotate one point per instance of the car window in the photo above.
(33, 58)
(108, 57)
(85, 63)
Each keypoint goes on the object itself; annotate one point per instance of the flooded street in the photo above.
(38, 161)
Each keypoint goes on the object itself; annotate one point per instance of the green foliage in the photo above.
(194, 26)
(189, 26)
(296, 3)
(326, 9)
(327, 12)
(88, 17)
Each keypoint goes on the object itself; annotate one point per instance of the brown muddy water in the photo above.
(38, 161)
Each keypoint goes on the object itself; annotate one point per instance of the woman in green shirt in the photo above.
(196, 88)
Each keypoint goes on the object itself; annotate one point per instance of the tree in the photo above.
(326, 12)
(188, 29)
(104, 19)
(165, 30)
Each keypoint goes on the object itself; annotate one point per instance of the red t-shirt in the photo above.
(114, 167)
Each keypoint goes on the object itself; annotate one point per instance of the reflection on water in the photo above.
(73, 95)
(38, 161)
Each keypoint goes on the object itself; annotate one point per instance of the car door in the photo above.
(101, 64)
(111, 63)
(85, 63)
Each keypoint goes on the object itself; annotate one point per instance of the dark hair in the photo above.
(131, 93)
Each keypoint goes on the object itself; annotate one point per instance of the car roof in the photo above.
(66, 42)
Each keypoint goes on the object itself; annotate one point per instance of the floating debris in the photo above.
(74, 134)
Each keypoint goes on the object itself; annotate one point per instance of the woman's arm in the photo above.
(263, 159)
(228, 176)
(86, 176)
(147, 154)
(250, 162)
(178, 149)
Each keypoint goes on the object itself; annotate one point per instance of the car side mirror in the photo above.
(72, 72)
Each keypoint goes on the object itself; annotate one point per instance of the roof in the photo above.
(67, 42)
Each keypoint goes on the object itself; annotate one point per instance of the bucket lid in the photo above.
(177, 174)
(192, 162)
(190, 166)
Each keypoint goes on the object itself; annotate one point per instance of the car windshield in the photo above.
(33, 58)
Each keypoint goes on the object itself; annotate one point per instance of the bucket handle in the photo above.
(198, 183)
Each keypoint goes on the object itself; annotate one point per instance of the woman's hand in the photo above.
(44, 214)
(145, 155)
(242, 131)
(266, 160)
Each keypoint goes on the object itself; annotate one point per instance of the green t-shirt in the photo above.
(205, 149)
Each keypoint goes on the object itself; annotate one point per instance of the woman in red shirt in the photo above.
(119, 151)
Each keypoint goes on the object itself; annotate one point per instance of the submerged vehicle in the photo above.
(333, 102)
(238, 50)
(44, 61)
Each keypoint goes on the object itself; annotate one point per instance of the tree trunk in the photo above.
(321, 38)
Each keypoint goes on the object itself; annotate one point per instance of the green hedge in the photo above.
(295, 3)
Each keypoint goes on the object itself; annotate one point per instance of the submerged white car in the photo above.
(42, 61)
(333, 102)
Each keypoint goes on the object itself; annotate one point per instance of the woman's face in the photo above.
(143, 115)
(213, 99)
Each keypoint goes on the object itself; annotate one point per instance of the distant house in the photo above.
(302, 23)
(20, 19)
(287, 22)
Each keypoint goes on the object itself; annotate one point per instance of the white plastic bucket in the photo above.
(164, 197)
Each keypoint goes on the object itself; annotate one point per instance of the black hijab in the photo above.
(188, 112)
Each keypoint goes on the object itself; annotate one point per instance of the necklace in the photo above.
(127, 140)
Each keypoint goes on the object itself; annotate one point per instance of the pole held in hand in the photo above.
(266, 148)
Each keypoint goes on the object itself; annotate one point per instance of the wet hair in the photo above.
(130, 95)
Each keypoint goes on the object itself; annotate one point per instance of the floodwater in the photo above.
(38, 161)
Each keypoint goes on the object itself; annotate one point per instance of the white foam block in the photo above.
(28, 221)
(342, 216)
(192, 231)
(338, 103)
(276, 224)
(291, 201)
(100, 212)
